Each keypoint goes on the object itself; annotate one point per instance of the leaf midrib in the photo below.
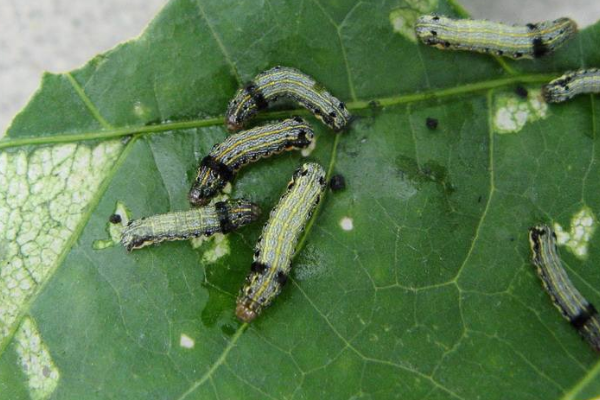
(360, 105)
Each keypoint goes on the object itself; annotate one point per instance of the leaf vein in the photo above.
(491, 191)
(88, 103)
(219, 42)
(358, 105)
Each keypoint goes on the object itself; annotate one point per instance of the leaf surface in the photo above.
(413, 283)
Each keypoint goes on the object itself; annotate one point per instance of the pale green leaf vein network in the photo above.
(525, 359)
(552, 332)
(78, 222)
(350, 346)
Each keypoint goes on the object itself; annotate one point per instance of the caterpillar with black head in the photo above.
(221, 217)
(227, 157)
(571, 84)
(277, 243)
(567, 299)
(514, 41)
(284, 82)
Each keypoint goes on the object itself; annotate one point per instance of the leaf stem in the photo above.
(459, 90)
(106, 134)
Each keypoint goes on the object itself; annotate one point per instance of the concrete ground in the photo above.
(60, 35)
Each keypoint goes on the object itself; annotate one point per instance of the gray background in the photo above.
(60, 35)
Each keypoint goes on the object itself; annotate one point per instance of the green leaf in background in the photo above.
(413, 283)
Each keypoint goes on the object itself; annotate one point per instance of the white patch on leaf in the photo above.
(186, 342)
(140, 110)
(583, 225)
(512, 112)
(403, 19)
(347, 223)
(220, 248)
(45, 193)
(35, 361)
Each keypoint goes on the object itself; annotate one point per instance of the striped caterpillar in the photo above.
(277, 243)
(572, 84)
(528, 41)
(226, 158)
(224, 217)
(284, 82)
(572, 305)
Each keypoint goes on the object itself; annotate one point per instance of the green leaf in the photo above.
(413, 283)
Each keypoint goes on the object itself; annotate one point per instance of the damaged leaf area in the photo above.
(36, 364)
(410, 281)
(403, 19)
(46, 194)
(583, 225)
(512, 112)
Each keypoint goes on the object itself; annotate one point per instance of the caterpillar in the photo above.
(276, 245)
(571, 84)
(525, 41)
(224, 217)
(572, 305)
(284, 82)
(226, 158)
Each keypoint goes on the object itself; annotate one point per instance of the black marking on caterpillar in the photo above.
(225, 223)
(224, 172)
